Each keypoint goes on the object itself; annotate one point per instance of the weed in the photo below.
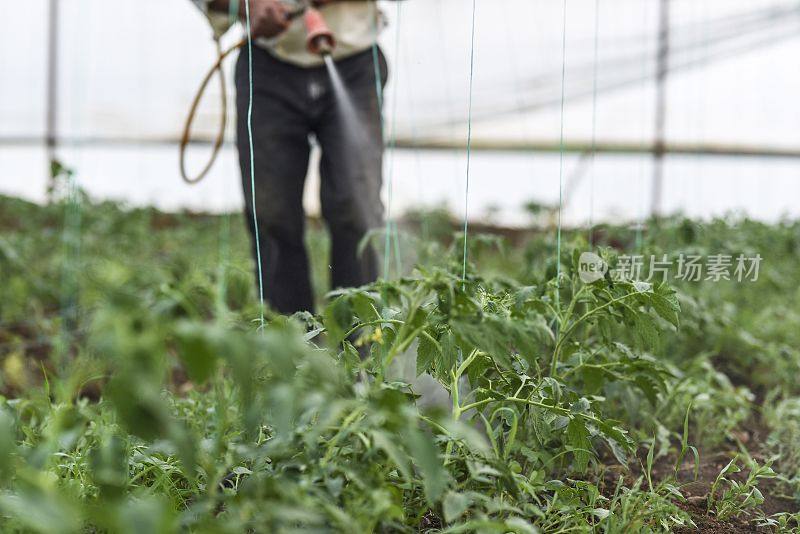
(731, 498)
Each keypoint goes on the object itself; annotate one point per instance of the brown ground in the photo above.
(696, 491)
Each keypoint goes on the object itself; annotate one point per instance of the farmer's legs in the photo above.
(351, 172)
(280, 154)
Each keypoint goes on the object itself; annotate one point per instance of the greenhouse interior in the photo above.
(354, 266)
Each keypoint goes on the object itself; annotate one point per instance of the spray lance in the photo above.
(319, 41)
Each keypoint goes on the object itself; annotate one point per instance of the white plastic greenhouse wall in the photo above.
(129, 68)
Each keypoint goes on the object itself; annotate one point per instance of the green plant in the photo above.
(175, 413)
(781, 522)
(737, 497)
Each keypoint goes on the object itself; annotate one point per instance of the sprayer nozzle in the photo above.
(322, 45)
(320, 38)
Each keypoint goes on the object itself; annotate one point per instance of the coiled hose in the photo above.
(223, 121)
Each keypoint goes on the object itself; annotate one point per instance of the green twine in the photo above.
(424, 223)
(642, 165)
(594, 120)
(233, 11)
(71, 239)
(379, 92)
(252, 164)
(561, 151)
(391, 229)
(225, 227)
(469, 139)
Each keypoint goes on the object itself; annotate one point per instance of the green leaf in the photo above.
(601, 513)
(610, 429)
(646, 330)
(578, 441)
(454, 505)
(44, 509)
(387, 443)
(109, 466)
(338, 319)
(427, 352)
(500, 336)
(364, 306)
(150, 514)
(468, 435)
(666, 304)
(426, 457)
(521, 526)
(8, 446)
(446, 360)
(197, 350)
(139, 405)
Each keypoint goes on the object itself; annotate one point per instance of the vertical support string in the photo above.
(640, 218)
(379, 93)
(469, 139)
(557, 318)
(412, 111)
(662, 71)
(593, 172)
(391, 228)
(51, 113)
(252, 162)
(561, 148)
(441, 44)
(233, 11)
(70, 274)
(225, 227)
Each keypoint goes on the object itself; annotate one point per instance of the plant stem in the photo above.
(566, 333)
(346, 423)
(372, 323)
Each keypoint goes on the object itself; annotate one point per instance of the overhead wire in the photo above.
(770, 28)
(691, 43)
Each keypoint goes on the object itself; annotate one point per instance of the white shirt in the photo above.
(355, 26)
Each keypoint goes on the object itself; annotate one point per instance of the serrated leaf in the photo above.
(386, 442)
(427, 352)
(197, 350)
(454, 505)
(447, 358)
(338, 319)
(425, 455)
(578, 440)
(646, 330)
(364, 306)
(666, 304)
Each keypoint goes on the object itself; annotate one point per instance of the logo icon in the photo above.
(591, 267)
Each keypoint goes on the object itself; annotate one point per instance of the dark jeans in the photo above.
(290, 104)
